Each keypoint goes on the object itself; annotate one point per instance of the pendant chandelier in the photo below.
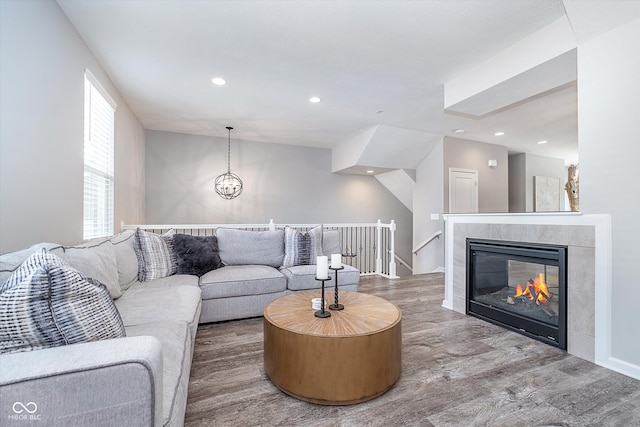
(228, 185)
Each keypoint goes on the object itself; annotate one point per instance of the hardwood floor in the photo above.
(456, 371)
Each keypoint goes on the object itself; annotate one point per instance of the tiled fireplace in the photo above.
(586, 265)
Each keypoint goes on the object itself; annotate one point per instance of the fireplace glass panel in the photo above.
(520, 286)
(524, 288)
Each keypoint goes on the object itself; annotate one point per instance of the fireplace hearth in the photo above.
(520, 286)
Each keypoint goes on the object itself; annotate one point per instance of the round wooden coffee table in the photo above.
(350, 357)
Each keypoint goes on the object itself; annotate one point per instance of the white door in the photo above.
(463, 190)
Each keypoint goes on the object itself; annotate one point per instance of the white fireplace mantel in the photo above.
(583, 234)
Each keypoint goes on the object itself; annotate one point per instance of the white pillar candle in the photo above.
(322, 267)
(336, 260)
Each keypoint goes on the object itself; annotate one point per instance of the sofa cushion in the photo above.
(176, 364)
(96, 259)
(11, 261)
(155, 254)
(46, 303)
(331, 243)
(241, 280)
(301, 248)
(126, 258)
(196, 255)
(302, 277)
(145, 304)
(240, 247)
(175, 281)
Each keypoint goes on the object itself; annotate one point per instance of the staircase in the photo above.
(392, 153)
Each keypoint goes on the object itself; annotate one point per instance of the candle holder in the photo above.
(348, 253)
(336, 305)
(322, 313)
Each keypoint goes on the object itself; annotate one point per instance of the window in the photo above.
(99, 112)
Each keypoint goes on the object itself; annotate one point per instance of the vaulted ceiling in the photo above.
(373, 63)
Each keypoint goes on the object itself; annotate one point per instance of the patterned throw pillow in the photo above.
(196, 255)
(301, 248)
(46, 303)
(156, 255)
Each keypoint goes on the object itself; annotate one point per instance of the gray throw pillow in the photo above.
(47, 303)
(196, 255)
(156, 256)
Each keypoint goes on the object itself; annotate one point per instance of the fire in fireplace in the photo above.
(521, 286)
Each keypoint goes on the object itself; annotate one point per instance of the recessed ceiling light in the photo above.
(499, 133)
(459, 131)
(314, 99)
(369, 171)
(542, 142)
(379, 111)
(218, 81)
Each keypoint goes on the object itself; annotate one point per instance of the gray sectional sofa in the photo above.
(260, 267)
(140, 374)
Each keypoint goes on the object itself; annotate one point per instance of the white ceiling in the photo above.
(358, 56)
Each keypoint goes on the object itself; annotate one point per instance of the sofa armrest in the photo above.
(111, 382)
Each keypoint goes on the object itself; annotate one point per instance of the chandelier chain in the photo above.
(229, 152)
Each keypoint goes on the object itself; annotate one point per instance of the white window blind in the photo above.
(98, 159)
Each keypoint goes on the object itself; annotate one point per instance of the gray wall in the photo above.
(608, 126)
(522, 168)
(493, 187)
(517, 183)
(289, 184)
(41, 133)
(428, 198)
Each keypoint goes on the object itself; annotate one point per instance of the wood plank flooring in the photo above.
(457, 371)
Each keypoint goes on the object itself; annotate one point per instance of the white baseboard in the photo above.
(625, 368)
